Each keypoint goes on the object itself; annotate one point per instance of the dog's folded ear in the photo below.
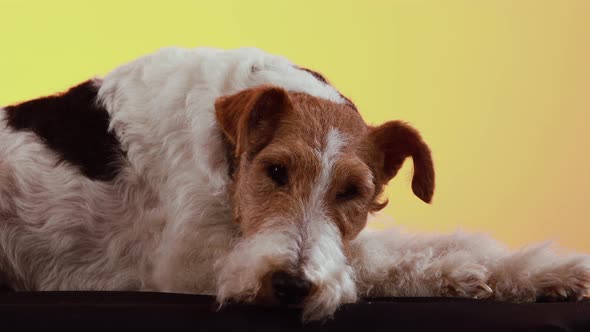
(249, 118)
(394, 142)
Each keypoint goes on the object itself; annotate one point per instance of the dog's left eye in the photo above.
(278, 173)
(350, 191)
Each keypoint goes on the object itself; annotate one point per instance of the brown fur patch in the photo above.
(294, 128)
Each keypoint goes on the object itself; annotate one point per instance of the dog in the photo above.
(239, 174)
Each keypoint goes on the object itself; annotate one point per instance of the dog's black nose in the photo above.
(290, 289)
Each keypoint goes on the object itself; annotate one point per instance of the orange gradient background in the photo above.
(499, 89)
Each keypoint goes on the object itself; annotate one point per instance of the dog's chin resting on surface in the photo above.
(238, 174)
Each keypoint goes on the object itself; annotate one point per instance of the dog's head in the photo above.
(307, 172)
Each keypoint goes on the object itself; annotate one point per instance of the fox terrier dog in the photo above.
(238, 174)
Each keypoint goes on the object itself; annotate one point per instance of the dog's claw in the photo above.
(562, 292)
(486, 288)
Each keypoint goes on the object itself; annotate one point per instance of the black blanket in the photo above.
(117, 311)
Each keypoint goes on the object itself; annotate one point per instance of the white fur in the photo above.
(325, 263)
(327, 268)
(165, 223)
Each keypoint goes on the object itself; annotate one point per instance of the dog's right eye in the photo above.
(278, 173)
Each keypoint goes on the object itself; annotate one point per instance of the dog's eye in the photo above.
(278, 173)
(350, 191)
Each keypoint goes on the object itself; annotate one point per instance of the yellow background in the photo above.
(500, 89)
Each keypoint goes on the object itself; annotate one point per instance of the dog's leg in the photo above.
(390, 263)
(539, 273)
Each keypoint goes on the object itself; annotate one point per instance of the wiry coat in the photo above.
(159, 213)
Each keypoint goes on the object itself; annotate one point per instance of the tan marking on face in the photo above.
(299, 144)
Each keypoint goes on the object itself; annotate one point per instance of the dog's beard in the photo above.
(241, 272)
(315, 251)
(327, 268)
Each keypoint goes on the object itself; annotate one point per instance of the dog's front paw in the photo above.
(568, 281)
(538, 274)
(461, 278)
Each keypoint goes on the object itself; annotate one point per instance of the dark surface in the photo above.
(110, 311)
